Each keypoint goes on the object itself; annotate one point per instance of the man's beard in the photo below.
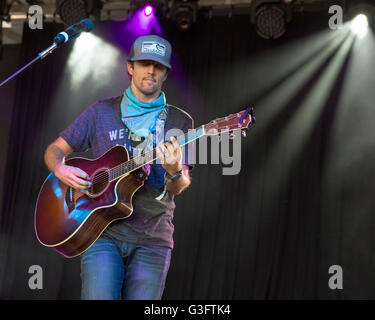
(148, 91)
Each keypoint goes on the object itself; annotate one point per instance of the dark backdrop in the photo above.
(302, 201)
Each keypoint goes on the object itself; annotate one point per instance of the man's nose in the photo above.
(151, 68)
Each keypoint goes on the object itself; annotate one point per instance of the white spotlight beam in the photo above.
(359, 25)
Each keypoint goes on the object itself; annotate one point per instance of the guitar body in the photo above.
(70, 220)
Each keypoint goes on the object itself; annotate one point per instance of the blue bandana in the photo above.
(140, 117)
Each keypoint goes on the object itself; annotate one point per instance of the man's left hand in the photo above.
(170, 155)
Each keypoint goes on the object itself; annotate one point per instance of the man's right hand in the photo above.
(72, 176)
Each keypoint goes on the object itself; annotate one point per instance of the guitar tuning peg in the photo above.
(231, 136)
(243, 132)
(219, 138)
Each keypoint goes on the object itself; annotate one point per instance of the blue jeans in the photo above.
(112, 269)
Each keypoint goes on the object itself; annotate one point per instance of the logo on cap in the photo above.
(153, 47)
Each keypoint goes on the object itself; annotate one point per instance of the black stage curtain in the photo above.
(297, 206)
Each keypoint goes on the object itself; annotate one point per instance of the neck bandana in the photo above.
(140, 117)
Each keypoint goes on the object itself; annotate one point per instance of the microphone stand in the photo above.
(41, 55)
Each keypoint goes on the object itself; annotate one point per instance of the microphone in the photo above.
(73, 31)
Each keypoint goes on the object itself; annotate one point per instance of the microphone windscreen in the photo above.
(88, 23)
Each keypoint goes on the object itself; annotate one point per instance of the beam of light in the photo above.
(140, 24)
(297, 70)
(282, 157)
(359, 25)
(271, 105)
(91, 59)
(310, 109)
(148, 11)
(299, 127)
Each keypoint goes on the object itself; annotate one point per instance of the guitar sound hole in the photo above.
(99, 182)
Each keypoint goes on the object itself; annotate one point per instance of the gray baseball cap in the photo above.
(151, 47)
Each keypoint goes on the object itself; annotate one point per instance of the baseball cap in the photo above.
(151, 47)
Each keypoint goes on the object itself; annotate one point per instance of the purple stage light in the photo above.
(148, 10)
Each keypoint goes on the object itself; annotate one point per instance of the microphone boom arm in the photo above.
(41, 55)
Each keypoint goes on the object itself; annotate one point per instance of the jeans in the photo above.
(112, 269)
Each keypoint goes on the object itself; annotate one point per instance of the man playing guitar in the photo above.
(130, 259)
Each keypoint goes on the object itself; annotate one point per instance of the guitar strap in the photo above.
(159, 137)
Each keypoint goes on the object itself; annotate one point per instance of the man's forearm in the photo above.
(53, 157)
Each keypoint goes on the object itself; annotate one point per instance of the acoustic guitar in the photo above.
(70, 220)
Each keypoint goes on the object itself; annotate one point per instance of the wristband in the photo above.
(174, 177)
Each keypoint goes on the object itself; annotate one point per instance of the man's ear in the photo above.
(130, 67)
(166, 75)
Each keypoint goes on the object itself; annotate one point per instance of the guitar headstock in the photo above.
(238, 121)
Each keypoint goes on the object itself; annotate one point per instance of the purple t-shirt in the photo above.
(97, 129)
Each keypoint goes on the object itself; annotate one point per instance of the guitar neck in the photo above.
(148, 157)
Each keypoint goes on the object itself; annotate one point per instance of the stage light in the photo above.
(148, 10)
(184, 13)
(359, 25)
(71, 11)
(361, 15)
(155, 8)
(270, 17)
(270, 22)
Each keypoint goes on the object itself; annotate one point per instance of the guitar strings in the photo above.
(128, 166)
